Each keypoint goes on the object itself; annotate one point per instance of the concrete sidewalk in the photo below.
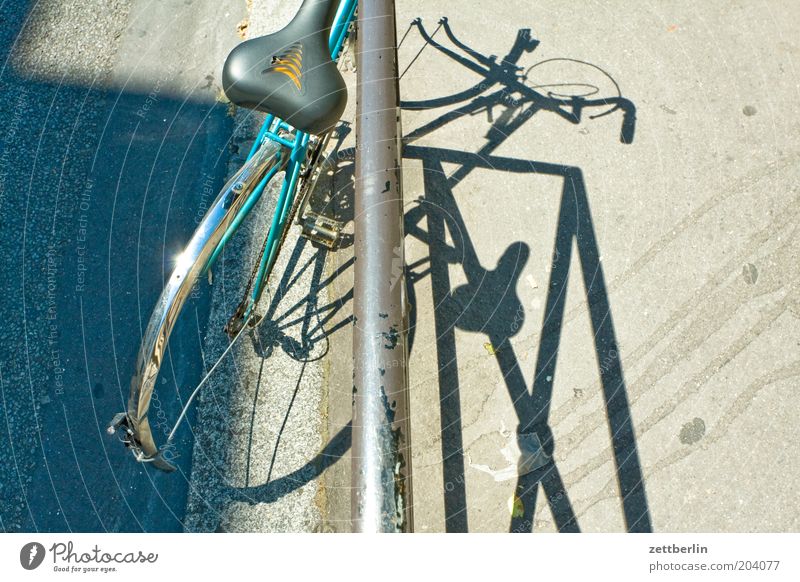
(645, 294)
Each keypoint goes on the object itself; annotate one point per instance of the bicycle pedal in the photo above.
(321, 229)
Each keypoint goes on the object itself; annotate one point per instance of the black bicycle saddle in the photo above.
(290, 73)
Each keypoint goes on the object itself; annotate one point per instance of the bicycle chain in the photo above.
(235, 322)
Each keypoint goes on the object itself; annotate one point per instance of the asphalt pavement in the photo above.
(112, 137)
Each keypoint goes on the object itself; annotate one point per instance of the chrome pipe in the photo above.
(381, 450)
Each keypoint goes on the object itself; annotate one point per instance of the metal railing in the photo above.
(381, 454)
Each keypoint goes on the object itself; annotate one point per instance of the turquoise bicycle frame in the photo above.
(270, 131)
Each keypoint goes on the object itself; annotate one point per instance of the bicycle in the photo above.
(291, 75)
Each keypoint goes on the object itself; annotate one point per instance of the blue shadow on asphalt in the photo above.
(100, 189)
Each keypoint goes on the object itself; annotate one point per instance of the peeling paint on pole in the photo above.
(381, 452)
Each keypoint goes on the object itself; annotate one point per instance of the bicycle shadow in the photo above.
(488, 303)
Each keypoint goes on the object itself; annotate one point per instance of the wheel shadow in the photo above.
(301, 328)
